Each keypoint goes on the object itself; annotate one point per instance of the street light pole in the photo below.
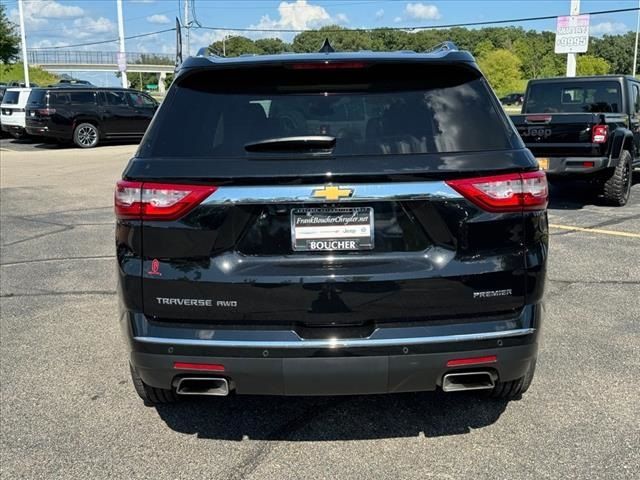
(187, 27)
(635, 53)
(23, 36)
(572, 57)
(122, 61)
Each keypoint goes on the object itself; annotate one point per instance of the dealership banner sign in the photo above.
(572, 34)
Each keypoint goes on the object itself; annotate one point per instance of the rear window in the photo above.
(384, 109)
(11, 98)
(37, 96)
(574, 97)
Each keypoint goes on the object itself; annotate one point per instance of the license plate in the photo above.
(544, 163)
(332, 229)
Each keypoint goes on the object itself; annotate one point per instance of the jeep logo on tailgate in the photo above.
(540, 132)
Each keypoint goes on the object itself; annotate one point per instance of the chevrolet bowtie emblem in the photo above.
(331, 192)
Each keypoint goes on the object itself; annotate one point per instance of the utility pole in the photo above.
(635, 54)
(572, 57)
(23, 36)
(122, 60)
(187, 27)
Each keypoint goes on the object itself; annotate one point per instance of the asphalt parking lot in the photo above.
(69, 409)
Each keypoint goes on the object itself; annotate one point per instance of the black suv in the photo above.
(331, 223)
(88, 115)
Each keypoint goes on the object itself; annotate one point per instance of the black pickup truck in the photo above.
(585, 127)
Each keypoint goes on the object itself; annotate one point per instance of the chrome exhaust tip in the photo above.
(218, 387)
(465, 381)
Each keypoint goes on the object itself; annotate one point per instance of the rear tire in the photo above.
(86, 135)
(617, 187)
(18, 135)
(515, 388)
(151, 395)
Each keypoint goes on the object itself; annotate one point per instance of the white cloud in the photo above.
(397, 19)
(37, 14)
(608, 28)
(52, 9)
(47, 43)
(159, 19)
(380, 14)
(300, 15)
(421, 11)
(91, 25)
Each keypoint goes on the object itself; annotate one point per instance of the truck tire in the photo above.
(617, 187)
(151, 395)
(515, 388)
(86, 135)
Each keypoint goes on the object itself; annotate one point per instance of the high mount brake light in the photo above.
(599, 134)
(326, 65)
(513, 192)
(157, 201)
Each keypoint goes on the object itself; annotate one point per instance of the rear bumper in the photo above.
(44, 129)
(279, 362)
(13, 128)
(567, 166)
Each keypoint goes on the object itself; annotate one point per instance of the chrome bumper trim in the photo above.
(399, 191)
(340, 343)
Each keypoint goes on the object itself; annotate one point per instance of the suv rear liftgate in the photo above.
(329, 227)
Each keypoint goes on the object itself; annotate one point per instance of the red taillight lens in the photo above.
(46, 112)
(157, 201)
(599, 134)
(513, 192)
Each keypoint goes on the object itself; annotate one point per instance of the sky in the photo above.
(56, 23)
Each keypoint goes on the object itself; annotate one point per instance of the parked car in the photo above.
(512, 99)
(88, 116)
(331, 223)
(3, 88)
(585, 127)
(12, 111)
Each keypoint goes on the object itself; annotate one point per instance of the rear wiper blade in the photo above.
(293, 144)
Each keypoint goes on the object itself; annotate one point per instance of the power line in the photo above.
(423, 27)
(148, 34)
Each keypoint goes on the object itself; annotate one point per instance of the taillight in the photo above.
(599, 134)
(513, 192)
(157, 201)
(46, 111)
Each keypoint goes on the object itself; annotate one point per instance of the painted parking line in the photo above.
(595, 230)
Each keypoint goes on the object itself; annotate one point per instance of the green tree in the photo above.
(535, 50)
(590, 65)
(483, 48)
(617, 50)
(502, 69)
(271, 46)
(9, 39)
(235, 46)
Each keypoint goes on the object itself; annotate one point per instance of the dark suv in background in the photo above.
(87, 116)
(331, 223)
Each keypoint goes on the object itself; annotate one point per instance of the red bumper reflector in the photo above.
(459, 362)
(207, 367)
(588, 164)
